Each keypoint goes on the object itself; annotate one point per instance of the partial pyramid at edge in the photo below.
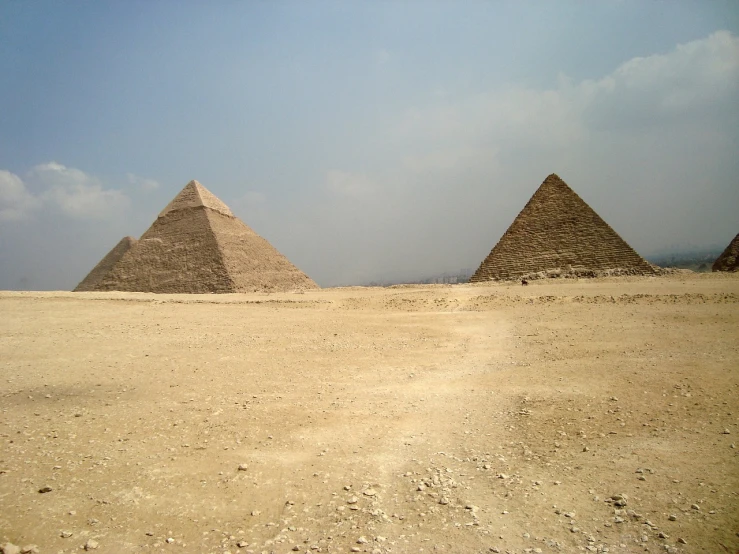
(729, 258)
(196, 245)
(100, 271)
(558, 231)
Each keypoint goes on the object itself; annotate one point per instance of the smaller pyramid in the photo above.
(729, 258)
(558, 232)
(105, 266)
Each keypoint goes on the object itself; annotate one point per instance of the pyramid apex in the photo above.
(554, 178)
(195, 195)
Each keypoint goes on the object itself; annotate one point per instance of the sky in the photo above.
(367, 141)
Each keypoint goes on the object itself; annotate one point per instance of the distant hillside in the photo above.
(696, 260)
(462, 276)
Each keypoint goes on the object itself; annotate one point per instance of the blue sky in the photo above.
(365, 140)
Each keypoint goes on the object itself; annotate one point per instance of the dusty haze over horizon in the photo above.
(366, 142)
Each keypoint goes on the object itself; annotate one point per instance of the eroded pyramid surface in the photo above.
(558, 231)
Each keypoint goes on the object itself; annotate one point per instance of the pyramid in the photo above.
(100, 271)
(558, 231)
(729, 258)
(196, 245)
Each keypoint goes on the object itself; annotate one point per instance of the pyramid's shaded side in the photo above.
(251, 262)
(729, 258)
(104, 266)
(558, 230)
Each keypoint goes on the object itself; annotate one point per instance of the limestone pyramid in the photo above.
(558, 232)
(729, 258)
(196, 245)
(104, 267)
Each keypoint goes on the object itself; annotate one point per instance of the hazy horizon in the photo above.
(365, 141)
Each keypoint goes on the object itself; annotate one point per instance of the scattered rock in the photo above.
(91, 544)
(65, 534)
(10, 548)
(672, 517)
(243, 467)
(46, 489)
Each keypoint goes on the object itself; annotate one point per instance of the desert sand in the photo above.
(566, 416)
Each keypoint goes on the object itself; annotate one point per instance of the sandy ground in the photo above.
(595, 416)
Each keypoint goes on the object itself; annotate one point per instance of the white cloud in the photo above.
(76, 193)
(698, 77)
(16, 203)
(142, 182)
(72, 191)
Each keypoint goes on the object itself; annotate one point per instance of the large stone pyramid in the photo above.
(558, 232)
(729, 258)
(104, 267)
(197, 245)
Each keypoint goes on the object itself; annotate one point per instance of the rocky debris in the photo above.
(91, 544)
(243, 467)
(44, 490)
(9, 548)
